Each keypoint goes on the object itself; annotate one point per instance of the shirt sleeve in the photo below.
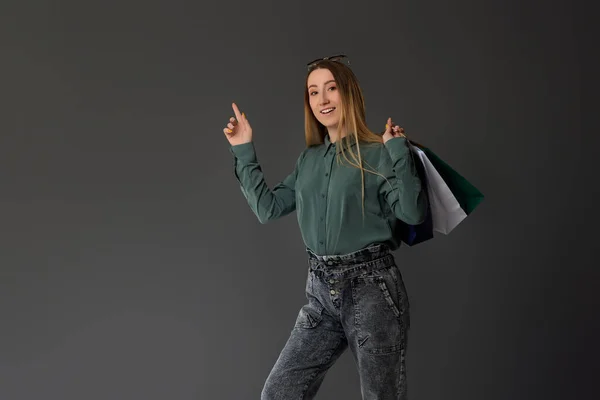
(402, 189)
(267, 204)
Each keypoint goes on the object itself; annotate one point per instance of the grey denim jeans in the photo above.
(357, 300)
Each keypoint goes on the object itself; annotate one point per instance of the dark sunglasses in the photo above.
(341, 58)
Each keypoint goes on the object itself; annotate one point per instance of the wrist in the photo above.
(397, 147)
(244, 152)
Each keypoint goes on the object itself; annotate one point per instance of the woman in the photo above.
(350, 188)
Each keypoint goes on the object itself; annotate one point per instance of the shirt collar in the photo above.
(329, 145)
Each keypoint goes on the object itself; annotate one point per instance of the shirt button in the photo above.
(321, 242)
(323, 195)
(322, 219)
(332, 291)
(329, 262)
(326, 173)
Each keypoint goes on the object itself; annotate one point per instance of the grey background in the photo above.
(132, 268)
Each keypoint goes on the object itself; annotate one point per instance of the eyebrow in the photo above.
(329, 81)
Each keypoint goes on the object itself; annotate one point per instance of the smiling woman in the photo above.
(352, 189)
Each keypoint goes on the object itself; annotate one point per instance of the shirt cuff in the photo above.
(244, 152)
(397, 147)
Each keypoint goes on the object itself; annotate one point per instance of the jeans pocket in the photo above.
(396, 308)
(403, 301)
(310, 315)
(378, 314)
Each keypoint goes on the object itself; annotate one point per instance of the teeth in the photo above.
(327, 111)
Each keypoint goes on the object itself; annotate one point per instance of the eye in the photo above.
(332, 88)
(312, 93)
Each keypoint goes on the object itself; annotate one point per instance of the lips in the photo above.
(327, 110)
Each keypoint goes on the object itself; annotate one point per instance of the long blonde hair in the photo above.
(352, 119)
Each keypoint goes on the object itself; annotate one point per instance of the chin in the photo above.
(329, 124)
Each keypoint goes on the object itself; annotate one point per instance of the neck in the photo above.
(334, 134)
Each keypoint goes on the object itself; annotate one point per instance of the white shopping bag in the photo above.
(446, 212)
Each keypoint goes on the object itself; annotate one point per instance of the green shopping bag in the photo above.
(467, 195)
(440, 217)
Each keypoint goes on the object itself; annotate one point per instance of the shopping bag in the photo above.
(451, 197)
(415, 234)
(446, 211)
(467, 195)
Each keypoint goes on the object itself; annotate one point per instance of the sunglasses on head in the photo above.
(341, 58)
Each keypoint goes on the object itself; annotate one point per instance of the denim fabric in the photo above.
(357, 300)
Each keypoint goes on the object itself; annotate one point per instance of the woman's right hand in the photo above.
(238, 130)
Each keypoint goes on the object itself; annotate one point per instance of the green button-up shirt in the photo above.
(326, 194)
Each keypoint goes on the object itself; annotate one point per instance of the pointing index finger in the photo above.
(236, 110)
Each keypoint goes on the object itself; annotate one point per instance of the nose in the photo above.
(323, 100)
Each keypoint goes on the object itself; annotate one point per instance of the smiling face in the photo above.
(333, 85)
(324, 97)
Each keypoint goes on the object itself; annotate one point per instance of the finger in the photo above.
(241, 118)
(227, 132)
(399, 129)
(388, 126)
(245, 121)
(236, 110)
(230, 126)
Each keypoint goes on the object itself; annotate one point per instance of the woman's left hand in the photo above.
(392, 130)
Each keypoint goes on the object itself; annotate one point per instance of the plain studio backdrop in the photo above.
(131, 266)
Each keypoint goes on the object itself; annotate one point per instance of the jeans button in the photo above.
(331, 281)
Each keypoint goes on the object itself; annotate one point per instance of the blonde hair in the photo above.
(352, 119)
